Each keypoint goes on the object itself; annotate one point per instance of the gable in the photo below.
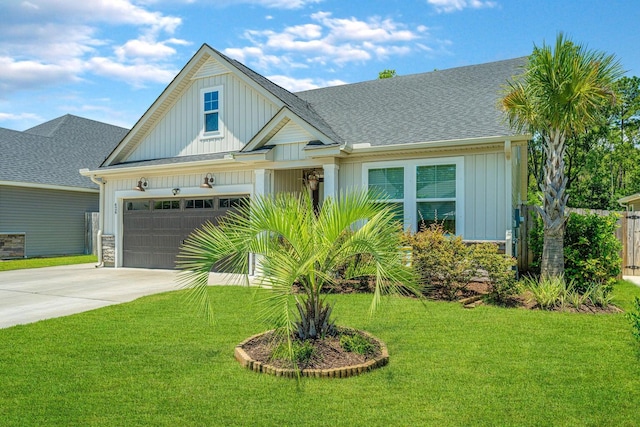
(210, 68)
(172, 125)
(180, 130)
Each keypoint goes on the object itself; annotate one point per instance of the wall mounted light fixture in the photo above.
(312, 178)
(175, 191)
(142, 184)
(209, 180)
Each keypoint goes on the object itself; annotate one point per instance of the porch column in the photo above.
(262, 186)
(331, 187)
(263, 183)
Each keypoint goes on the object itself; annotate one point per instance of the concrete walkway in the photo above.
(30, 295)
(632, 279)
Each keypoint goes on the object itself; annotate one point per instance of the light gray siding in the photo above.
(244, 112)
(484, 193)
(485, 197)
(53, 220)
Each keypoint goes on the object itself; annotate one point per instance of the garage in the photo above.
(155, 228)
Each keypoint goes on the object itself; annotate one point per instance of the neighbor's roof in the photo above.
(452, 104)
(53, 152)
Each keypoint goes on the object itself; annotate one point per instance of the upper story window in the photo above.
(211, 102)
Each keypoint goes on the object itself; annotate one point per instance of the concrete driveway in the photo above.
(27, 296)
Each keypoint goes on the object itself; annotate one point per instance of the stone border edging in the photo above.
(346, 371)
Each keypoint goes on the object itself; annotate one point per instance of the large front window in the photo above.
(424, 191)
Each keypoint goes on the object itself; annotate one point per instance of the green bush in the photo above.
(591, 250)
(634, 319)
(354, 342)
(548, 293)
(500, 270)
(302, 351)
(442, 262)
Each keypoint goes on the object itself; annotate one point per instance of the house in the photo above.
(435, 144)
(43, 198)
(630, 203)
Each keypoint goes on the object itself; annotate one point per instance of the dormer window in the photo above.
(211, 111)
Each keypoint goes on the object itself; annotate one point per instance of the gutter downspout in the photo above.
(100, 219)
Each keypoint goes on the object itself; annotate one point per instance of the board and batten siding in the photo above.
(290, 142)
(53, 220)
(165, 183)
(484, 193)
(244, 112)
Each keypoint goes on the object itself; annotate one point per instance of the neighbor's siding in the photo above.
(244, 113)
(53, 220)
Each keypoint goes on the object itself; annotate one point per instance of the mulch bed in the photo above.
(328, 353)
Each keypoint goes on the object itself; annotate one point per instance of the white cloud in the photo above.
(47, 42)
(113, 12)
(297, 85)
(31, 74)
(5, 117)
(448, 6)
(136, 74)
(328, 40)
(148, 49)
(271, 4)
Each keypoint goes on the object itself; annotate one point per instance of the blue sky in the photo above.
(108, 60)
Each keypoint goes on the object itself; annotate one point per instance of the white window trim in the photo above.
(410, 173)
(219, 133)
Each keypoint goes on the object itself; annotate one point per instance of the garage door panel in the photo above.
(152, 234)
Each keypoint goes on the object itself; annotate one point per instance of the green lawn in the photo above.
(153, 362)
(19, 264)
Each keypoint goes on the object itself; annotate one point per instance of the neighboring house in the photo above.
(630, 203)
(434, 143)
(43, 197)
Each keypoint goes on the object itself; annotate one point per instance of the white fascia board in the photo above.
(48, 186)
(368, 148)
(170, 167)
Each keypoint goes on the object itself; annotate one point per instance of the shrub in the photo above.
(302, 351)
(634, 319)
(591, 250)
(354, 342)
(600, 295)
(548, 293)
(442, 262)
(499, 268)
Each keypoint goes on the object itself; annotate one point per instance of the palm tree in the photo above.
(300, 253)
(561, 93)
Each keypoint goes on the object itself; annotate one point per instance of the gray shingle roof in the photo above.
(452, 104)
(53, 152)
(296, 104)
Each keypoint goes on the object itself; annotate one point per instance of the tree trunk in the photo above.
(553, 253)
(555, 201)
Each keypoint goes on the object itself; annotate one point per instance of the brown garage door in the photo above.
(154, 229)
